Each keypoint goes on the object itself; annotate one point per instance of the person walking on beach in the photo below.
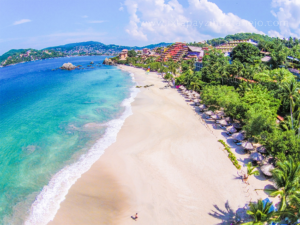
(135, 217)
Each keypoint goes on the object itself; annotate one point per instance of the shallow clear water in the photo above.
(48, 119)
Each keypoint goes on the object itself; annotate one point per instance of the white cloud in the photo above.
(288, 14)
(96, 21)
(121, 8)
(85, 16)
(21, 21)
(274, 33)
(158, 20)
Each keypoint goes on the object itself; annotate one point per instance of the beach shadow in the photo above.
(261, 176)
(245, 161)
(224, 134)
(229, 216)
(132, 217)
(269, 186)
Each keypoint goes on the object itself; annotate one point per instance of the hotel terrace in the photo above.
(232, 44)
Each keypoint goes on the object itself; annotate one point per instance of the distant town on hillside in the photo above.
(15, 56)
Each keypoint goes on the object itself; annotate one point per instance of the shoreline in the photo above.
(168, 169)
(48, 201)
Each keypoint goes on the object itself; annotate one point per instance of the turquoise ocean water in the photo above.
(53, 126)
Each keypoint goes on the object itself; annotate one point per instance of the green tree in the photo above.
(246, 53)
(251, 170)
(289, 93)
(287, 181)
(131, 53)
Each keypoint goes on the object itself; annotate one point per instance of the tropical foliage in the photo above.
(260, 212)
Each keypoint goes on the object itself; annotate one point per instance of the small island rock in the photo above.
(68, 66)
(108, 62)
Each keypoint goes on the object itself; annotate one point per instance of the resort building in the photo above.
(198, 66)
(123, 55)
(146, 51)
(175, 52)
(195, 52)
(232, 44)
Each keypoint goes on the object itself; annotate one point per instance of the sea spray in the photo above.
(47, 203)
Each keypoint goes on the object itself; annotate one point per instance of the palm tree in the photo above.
(287, 181)
(287, 123)
(260, 213)
(292, 212)
(289, 92)
(224, 73)
(196, 84)
(251, 170)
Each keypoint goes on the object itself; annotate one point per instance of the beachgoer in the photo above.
(136, 216)
(245, 178)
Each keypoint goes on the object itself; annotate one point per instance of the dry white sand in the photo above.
(165, 165)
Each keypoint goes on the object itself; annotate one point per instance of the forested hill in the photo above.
(100, 46)
(12, 52)
(240, 36)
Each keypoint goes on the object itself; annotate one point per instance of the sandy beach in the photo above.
(166, 165)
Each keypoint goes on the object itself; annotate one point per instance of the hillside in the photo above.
(83, 48)
(240, 36)
(13, 52)
(100, 46)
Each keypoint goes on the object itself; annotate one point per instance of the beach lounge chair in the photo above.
(228, 133)
(223, 127)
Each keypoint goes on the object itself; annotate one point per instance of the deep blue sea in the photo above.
(53, 126)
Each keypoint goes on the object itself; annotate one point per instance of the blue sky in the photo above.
(39, 24)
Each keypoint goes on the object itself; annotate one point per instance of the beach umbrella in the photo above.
(247, 145)
(256, 156)
(196, 100)
(237, 125)
(238, 136)
(231, 129)
(209, 113)
(215, 117)
(222, 122)
(201, 107)
(221, 113)
(228, 119)
(262, 149)
(267, 168)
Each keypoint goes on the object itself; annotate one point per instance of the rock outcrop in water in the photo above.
(68, 66)
(108, 62)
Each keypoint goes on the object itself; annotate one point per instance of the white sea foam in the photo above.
(47, 203)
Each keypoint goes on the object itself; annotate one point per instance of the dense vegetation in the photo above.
(234, 37)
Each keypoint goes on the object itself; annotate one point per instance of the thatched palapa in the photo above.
(247, 145)
(266, 169)
(257, 156)
(231, 129)
(238, 136)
